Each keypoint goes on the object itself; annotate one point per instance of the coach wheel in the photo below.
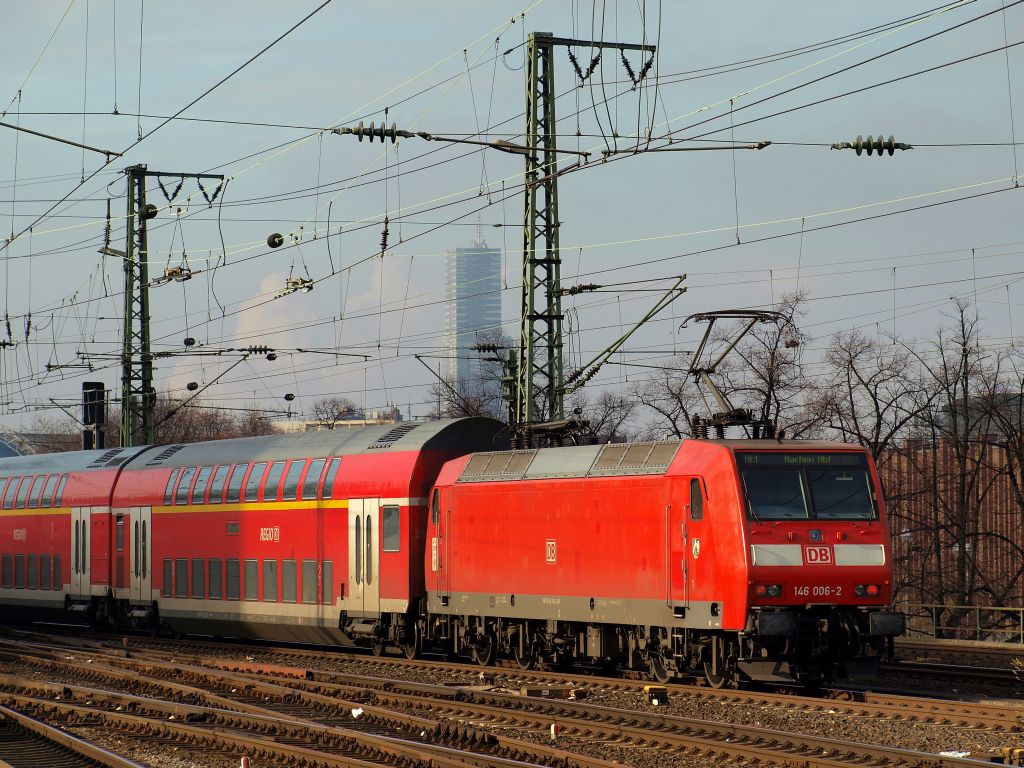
(413, 642)
(485, 649)
(525, 658)
(377, 647)
(659, 671)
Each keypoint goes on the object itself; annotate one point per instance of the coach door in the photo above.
(80, 519)
(363, 554)
(141, 554)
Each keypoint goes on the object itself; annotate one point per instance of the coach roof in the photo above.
(447, 434)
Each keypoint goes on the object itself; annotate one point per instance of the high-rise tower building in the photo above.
(472, 279)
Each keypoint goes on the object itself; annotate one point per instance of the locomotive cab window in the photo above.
(696, 500)
(802, 486)
(435, 506)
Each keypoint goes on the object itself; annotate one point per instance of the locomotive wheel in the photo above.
(485, 649)
(721, 680)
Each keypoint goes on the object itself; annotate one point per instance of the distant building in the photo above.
(359, 419)
(472, 280)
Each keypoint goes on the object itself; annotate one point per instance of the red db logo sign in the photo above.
(818, 555)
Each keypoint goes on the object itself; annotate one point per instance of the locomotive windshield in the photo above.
(807, 486)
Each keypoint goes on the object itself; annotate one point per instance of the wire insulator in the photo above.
(629, 68)
(384, 237)
(877, 144)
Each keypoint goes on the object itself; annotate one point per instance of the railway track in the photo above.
(29, 743)
(481, 718)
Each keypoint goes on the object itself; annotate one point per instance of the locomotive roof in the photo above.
(611, 459)
(402, 436)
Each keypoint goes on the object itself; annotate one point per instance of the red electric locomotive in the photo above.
(744, 559)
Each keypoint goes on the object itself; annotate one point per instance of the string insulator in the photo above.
(872, 144)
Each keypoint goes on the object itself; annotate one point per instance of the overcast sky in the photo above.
(731, 221)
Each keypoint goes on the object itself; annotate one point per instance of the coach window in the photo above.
(168, 591)
(36, 491)
(390, 526)
(8, 572)
(44, 572)
(199, 492)
(435, 506)
(169, 489)
(359, 551)
(58, 580)
(181, 494)
(3, 486)
(270, 581)
(326, 593)
(696, 500)
(252, 485)
(369, 550)
(199, 579)
(332, 473)
(33, 572)
(290, 490)
(51, 486)
(216, 579)
(19, 571)
(60, 491)
(312, 480)
(9, 493)
(135, 548)
(308, 581)
(181, 577)
(119, 533)
(217, 484)
(38, 496)
(273, 484)
(235, 484)
(26, 483)
(74, 549)
(288, 586)
(232, 579)
(252, 580)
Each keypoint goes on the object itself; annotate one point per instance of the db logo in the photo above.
(818, 554)
(551, 551)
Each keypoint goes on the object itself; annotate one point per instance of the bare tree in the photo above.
(871, 394)
(329, 411)
(609, 416)
(672, 397)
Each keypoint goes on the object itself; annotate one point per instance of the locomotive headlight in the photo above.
(767, 590)
(873, 590)
(774, 590)
(860, 590)
(761, 590)
(869, 590)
